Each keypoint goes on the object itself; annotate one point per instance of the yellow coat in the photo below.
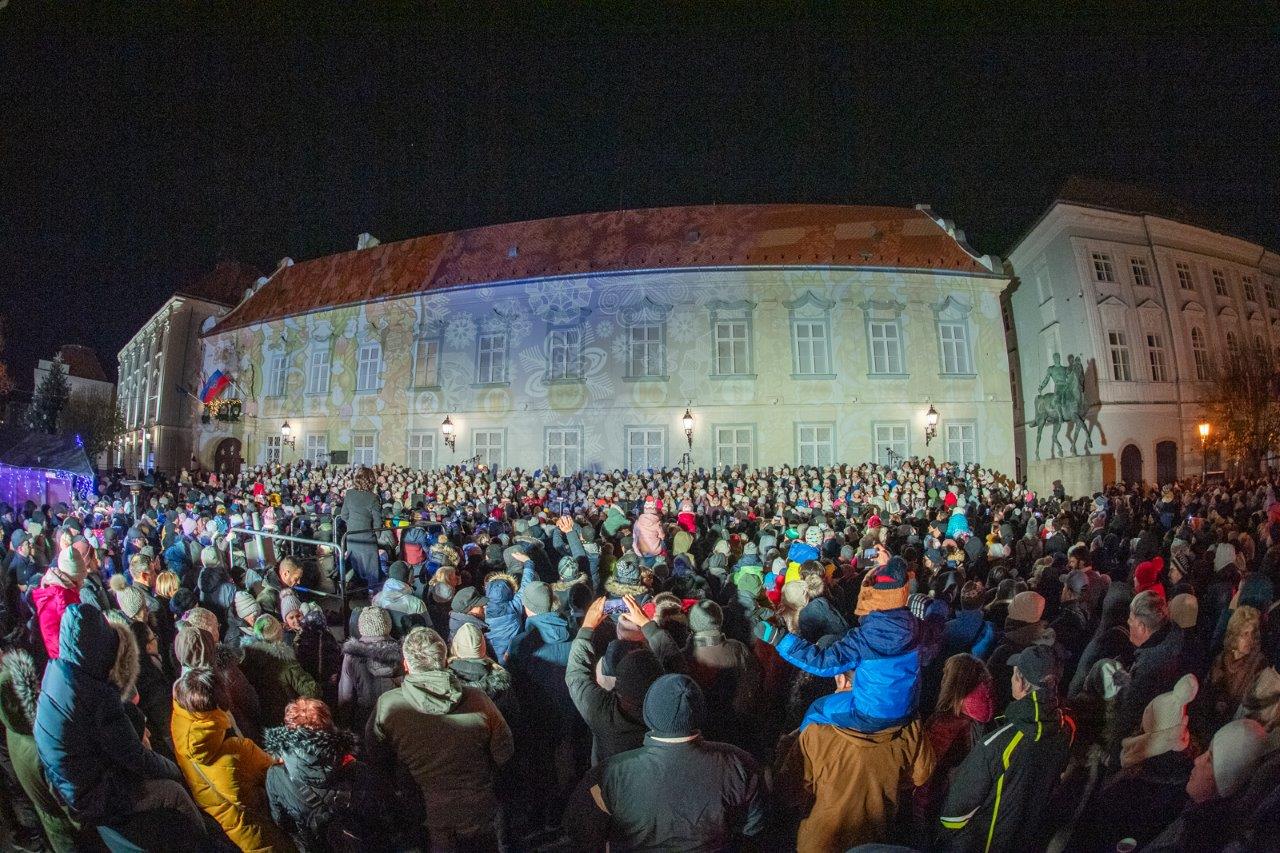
(227, 777)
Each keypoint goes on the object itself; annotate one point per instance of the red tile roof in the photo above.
(82, 362)
(225, 284)
(655, 238)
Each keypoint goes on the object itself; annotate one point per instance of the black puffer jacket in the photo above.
(322, 796)
(370, 667)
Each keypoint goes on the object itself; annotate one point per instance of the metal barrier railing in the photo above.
(339, 556)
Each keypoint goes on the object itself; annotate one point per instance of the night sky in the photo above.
(139, 147)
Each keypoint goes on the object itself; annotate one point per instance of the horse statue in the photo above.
(1050, 412)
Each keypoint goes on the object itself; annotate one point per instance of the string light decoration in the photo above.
(228, 411)
(42, 485)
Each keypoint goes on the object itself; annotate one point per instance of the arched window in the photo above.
(1201, 353)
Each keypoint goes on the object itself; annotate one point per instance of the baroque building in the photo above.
(792, 334)
(1149, 298)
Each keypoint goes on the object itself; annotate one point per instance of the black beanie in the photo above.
(674, 706)
(399, 571)
(636, 672)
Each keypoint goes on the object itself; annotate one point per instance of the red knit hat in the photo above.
(1146, 575)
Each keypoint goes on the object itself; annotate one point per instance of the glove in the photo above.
(769, 632)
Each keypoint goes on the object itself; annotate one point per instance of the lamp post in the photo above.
(686, 421)
(930, 425)
(1204, 462)
(287, 438)
(450, 437)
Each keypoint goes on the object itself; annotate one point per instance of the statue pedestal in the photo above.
(1081, 476)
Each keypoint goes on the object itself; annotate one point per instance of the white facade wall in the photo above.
(735, 346)
(1063, 301)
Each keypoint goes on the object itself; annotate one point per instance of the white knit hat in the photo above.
(1236, 748)
(1164, 724)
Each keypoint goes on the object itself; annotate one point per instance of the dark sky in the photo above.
(140, 143)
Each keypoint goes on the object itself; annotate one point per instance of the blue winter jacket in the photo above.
(91, 753)
(538, 659)
(969, 632)
(504, 614)
(956, 524)
(176, 558)
(887, 652)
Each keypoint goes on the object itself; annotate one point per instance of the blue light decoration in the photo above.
(79, 440)
(42, 485)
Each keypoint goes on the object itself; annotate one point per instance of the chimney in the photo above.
(367, 241)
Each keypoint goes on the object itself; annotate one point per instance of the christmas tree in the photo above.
(49, 401)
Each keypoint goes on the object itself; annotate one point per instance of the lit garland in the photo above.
(34, 484)
(222, 410)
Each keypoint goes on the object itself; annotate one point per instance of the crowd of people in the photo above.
(925, 655)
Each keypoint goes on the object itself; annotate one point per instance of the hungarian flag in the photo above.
(213, 386)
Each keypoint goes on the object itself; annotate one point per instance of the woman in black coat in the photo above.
(360, 512)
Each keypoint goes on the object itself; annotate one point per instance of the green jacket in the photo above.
(19, 689)
(277, 678)
(451, 739)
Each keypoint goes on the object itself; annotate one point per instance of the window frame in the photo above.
(1120, 355)
(576, 447)
(959, 348)
(948, 440)
(277, 373)
(311, 385)
(309, 450)
(727, 315)
(1200, 354)
(498, 358)
(813, 313)
(1104, 270)
(430, 436)
(567, 342)
(1156, 360)
(1249, 286)
(878, 446)
(662, 448)
(356, 453)
(659, 358)
(801, 443)
(718, 444)
(501, 432)
(378, 366)
(1141, 272)
(273, 450)
(419, 341)
(1220, 286)
(1186, 278)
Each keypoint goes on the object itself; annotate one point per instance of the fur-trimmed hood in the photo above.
(124, 671)
(485, 674)
(618, 590)
(383, 656)
(19, 690)
(561, 586)
(310, 756)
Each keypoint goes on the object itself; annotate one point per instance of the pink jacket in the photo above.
(50, 601)
(647, 532)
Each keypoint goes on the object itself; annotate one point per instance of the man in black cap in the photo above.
(678, 791)
(998, 798)
(467, 608)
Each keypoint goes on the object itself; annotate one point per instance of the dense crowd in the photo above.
(926, 655)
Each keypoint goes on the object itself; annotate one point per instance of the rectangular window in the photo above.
(815, 444)
(426, 362)
(1220, 283)
(734, 446)
(1119, 346)
(1141, 274)
(1273, 301)
(490, 447)
(1249, 287)
(644, 351)
(886, 346)
(318, 371)
(564, 354)
(962, 443)
(277, 374)
(420, 450)
(732, 348)
(1200, 350)
(491, 358)
(1102, 268)
(273, 449)
(890, 441)
(809, 340)
(1185, 281)
(318, 448)
(954, 339)
(646, 448)
(1155, 353)
(364, 448)
(564, 449)
(369, 366)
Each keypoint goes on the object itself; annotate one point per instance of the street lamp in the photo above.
(1204, 462)
(450, 439)
(287, 438)
(687, 422)
(930, 425)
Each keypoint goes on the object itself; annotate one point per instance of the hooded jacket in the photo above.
(614, 729)
(504, 614)
(451, 739)
(1018, 636)
(49, 602)
(321, 783)
(997, 800)
(227, 778)
(886, 652)
(19, 690)
(398, 597)
(370, 667)
(90, 751)
(277, 678)
(538, 660)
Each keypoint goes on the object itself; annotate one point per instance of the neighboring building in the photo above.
(1150, 300)
(794, 333)
(164, 357)
(85, 376)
